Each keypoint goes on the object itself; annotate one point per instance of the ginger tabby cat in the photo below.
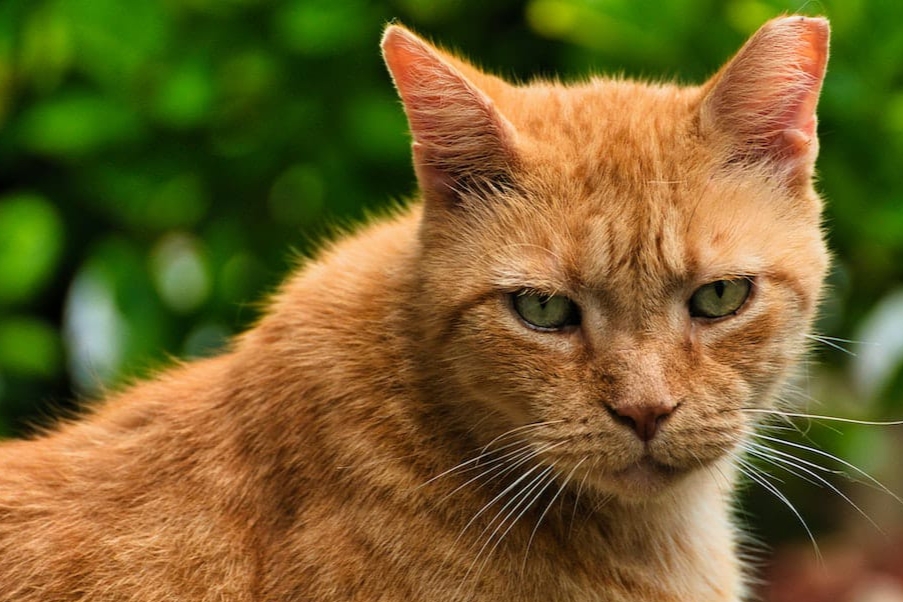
(532, 384)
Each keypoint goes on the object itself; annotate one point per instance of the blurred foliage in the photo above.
(160, 159)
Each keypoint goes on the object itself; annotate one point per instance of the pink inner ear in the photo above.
(433, 93)
(444, 108)
(765, 98)
(459, 136)
(813, 59)
(409, 60)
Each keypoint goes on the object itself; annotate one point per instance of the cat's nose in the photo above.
(644, 419)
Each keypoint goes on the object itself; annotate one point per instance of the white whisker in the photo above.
(494, 460)
(822, 337)
(511, 486)
(577, 497)
(474, 463)
(795, 466)
(752, 473)
(523, 501)
(750, 446)
(519, 430)
(824, 454)
(833, 342)
(784, 414)
(564, 484)
(497, 468)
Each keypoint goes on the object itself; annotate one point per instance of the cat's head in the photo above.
(629, 267)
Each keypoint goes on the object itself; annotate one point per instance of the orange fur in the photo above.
(391, 430)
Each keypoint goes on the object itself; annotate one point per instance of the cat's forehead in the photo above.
(658, 236)
(613, 166)
(617, 128)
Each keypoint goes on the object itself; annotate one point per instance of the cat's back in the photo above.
(173, 488)
(117, 501)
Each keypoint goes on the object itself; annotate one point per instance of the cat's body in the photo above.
(331, 481)
(395, 429)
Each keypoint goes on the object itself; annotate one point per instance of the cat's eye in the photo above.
(720, 298)
(545, 312)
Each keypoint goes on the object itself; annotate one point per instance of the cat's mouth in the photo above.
(647, 476)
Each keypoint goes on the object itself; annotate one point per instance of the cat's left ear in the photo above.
(462, 143)
(762, 103)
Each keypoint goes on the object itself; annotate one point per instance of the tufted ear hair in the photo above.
(762, 102)
(462, 144)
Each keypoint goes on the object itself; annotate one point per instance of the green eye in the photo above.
(720, 298)
(546, 312)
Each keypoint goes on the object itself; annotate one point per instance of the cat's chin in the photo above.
(642, 481)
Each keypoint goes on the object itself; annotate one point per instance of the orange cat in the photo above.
(531, 386)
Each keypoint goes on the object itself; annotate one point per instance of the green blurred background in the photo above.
(163, 162)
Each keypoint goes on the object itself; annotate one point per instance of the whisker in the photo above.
(546, 511)
(520, 429)
(602, 500)
(752, 473)
(497, 466)
(577, 497)
(824, 454)
(821, 417)
(522, 501)
(750, 445)
(485, 452)
(792, 465)
(540, 482)
(799, 394)
(831, 342)
(511, 486)
(789, 428)
(474, 463)
(489, 505)
(822, 337)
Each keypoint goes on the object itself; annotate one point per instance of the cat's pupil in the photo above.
(719, 288)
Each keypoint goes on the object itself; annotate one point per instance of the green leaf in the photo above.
(31, 242)
(185, 97)
(297, 195)
(29, 347)
(46, 49)
(321, 27)
(117, 42)
(77, 124)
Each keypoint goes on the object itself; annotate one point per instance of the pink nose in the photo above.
(645, 420)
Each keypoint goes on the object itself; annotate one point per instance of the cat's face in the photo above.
(616, 268)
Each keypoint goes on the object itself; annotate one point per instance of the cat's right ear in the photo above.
(462, 144)
(762, 102)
